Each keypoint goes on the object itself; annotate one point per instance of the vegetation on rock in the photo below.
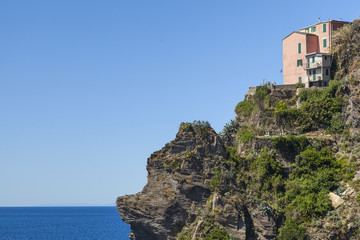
(269, 172)
(244, 108)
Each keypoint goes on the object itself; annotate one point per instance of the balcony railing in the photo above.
(313, 65)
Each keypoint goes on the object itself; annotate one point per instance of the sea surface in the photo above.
(55, 223)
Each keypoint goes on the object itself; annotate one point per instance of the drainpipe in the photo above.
(330, 35)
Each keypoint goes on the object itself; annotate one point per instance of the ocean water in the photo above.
(55, 223)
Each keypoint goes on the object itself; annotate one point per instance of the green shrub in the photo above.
(215, 181)
(217, 234)
(292, 230)
(267, 166)
(244, 108)
(337, 124)
(318, 108)
(185, 126)
(261, 97)
(199, 123)
(286, 116)
(246, 136)
(280, 106)
(268, 174)
(314, 177)
(229, 128)
(299, 85)
(184, 235)
(201, 127)
(290, 143)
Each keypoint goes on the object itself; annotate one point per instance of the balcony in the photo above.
(314, 78)
(313, 65)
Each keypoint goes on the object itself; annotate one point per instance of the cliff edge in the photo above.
(287, 167)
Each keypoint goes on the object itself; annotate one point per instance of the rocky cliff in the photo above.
(177, 184)
(179, 193)
(287, 167)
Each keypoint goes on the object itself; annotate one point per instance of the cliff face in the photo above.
(287, 167)
(253, 182)
(180, 194)
(176, 184)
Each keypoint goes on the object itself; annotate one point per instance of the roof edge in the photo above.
(303, 33)
(324, 22)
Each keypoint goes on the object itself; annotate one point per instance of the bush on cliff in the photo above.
(318, 108)
(292, 231)
(217, 234)
(246, 136)
(261, 97)
(290, 143)
(229, 129)
(244, 108)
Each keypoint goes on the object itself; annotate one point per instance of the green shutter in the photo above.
(299, 47)
(324, 27)
(299, 62)
(313, 59)
(300, 80)
(324, 43)
(313, 29)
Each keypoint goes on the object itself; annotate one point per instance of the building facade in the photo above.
(317, 67)
(305, 54)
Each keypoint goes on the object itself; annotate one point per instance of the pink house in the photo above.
(305, 54)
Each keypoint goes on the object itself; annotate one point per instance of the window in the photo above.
(324, 27)
(308, 62)
(300, 80)
(299, 63)
(327, 72)
(314, 75)
(324, 43)
(299, 47)
(325, 58)
(309, 72)
(313, 29)
(313, 59)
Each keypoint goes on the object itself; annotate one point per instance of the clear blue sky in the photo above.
(89, 89)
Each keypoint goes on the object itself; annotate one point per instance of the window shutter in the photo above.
(299, 47)
(324, 43)
(324, 27)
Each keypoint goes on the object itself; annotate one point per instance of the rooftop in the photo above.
(324, 22)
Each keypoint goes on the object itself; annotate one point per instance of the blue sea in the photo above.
(55, 223)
